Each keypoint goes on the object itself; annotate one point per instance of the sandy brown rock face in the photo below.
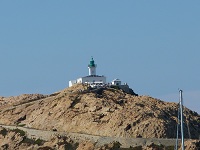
(12, 139)
(104, 112)
(192, 145)
(86, 146)
(15, 100)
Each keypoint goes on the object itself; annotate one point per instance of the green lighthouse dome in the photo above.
(92, 64)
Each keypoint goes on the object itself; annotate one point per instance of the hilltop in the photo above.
(105, 111)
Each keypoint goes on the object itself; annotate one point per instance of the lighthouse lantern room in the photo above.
(92, 67)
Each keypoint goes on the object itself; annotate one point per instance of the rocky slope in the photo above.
(104, 112)
(5, 101)
(17, 139)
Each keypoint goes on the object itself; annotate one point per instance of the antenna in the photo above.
(180, 121)
(181, 111)
(177, 130)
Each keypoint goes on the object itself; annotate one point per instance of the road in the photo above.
(100, 140)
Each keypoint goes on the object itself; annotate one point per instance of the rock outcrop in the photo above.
(24, 98)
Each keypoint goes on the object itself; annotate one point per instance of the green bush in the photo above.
(27, 140)
(21, 132)
(116, 145)
(45, 148)
(21, 125)
(3, 132)
(32, 141)
(39, 142)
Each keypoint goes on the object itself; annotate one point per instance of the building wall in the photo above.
(116, 82)
(72, 82)
(91, 79)
(80, 80)
(92, 70)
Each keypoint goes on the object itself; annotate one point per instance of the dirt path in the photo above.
(77, 137)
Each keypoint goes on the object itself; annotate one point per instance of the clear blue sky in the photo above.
(154, 46)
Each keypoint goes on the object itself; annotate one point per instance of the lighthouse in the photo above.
(92, 67)
(92, 79)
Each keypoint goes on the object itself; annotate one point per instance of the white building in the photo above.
(92, 79)
(116, 82)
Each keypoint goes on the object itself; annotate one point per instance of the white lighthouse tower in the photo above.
(92, 68)
(92, 79)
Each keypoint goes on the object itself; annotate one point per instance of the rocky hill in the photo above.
(103, 112)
